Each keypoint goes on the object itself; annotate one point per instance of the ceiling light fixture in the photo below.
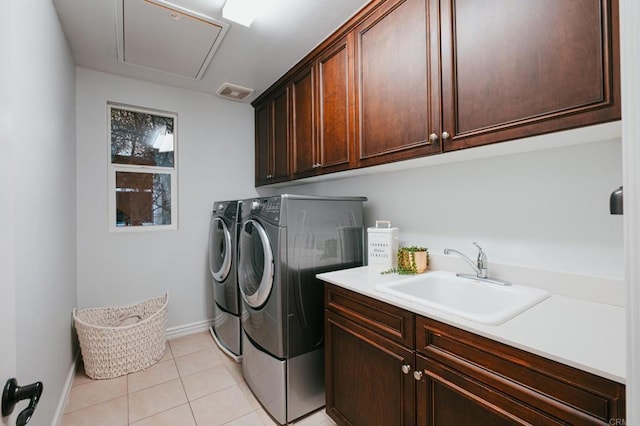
(241, 11)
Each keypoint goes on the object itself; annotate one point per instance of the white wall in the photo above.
(43, 192)
(215, 155)
(545, 209)
(7, 274)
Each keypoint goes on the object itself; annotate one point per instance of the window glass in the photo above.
(141, 138)
(143, 199)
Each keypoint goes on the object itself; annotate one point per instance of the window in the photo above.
(143, 189)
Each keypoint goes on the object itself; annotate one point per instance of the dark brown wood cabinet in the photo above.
(272, 138)
(501, 384)
(446, 397)
(369, 360)
(322, 99)
(335, 112)
(367, 385)
(384, 366)
(516, 69)
(409, 78)
(263, 144)
(303, 134)
(396, 99)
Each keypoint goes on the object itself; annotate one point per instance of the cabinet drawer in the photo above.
(389, 321)
(566, 393)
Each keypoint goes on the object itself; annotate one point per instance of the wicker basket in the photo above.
(121, 340)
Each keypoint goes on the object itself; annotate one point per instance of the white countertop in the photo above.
(582, 334)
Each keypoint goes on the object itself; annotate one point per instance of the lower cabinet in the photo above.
(371, 381)
(388, 366)
(446, 397)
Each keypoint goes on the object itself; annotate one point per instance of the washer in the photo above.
(223, 234)
(284, 242)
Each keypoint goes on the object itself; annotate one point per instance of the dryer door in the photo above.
(220, 250)
(255, 268)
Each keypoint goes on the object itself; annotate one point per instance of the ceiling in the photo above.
(252, 57)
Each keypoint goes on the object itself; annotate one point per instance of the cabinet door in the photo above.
(263, 142)
(512, 69)
(364, 378)
(335, 91)
(303, 132)
(494, 370)
(444, 396)
(280, 137)
(394, 59)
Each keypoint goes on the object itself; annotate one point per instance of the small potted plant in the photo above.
(411, 260)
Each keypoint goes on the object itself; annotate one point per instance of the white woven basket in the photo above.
(120, 340)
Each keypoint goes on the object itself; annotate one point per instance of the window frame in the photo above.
(114, 168)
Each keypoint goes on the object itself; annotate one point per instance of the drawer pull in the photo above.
(417, 375)
(406, 368)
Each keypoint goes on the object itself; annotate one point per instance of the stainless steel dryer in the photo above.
(284, 242)
(223, 234)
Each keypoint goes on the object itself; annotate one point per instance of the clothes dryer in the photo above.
(223, 233)
(284, 242)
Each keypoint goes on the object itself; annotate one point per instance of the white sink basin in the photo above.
(479, 301)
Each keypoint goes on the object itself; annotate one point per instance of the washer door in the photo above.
(220, 250)
(255, 269)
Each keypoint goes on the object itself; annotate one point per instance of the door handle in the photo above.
(13, 393)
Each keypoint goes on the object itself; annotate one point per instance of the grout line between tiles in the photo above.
(193, 416)
(93, 405)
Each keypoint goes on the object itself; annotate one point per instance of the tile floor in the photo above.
(193, 384)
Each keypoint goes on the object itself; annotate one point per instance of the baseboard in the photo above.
(186, 329)
(64, 396)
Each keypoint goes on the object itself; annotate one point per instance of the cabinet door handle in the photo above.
(445, 135)
(417, 375)
(269, 176)
(433, 138)
(406, 368)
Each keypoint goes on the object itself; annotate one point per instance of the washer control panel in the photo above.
(268, 208)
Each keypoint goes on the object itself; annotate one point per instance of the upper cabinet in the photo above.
(336, 125)
(515, 69)
(322, 134)
(272, 138)
(409, 78)
(396, 101)
(303, 137)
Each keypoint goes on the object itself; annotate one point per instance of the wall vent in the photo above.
(234, 92)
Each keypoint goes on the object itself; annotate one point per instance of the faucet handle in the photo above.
(482, 257)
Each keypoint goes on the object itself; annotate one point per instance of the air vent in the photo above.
(234, 92)
(160, 35)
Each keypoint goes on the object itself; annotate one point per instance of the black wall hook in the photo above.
(13, 393)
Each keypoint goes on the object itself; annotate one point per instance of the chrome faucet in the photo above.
(480, 267)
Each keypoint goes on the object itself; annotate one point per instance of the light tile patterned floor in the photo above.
(194, 384)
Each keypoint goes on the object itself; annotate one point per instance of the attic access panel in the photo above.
(159, 35)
